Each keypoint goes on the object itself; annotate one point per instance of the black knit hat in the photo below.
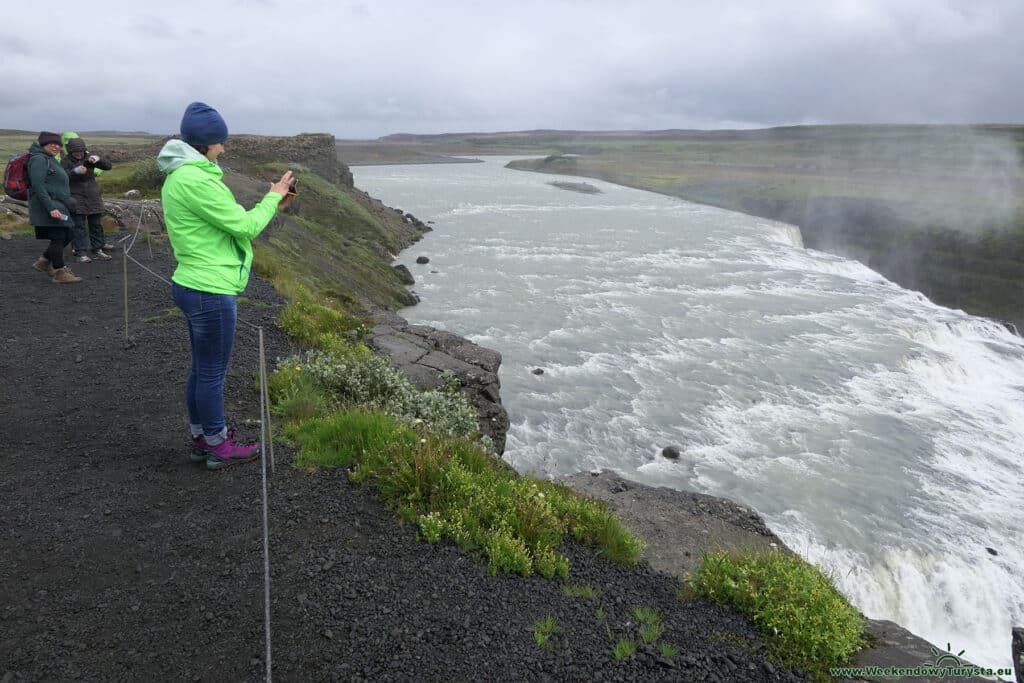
(48, 138)
(76, 145)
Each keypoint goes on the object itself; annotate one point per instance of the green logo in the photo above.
(945, 658)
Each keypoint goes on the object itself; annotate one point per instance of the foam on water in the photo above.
(877, 433)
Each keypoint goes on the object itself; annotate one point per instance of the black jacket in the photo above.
(84, 188)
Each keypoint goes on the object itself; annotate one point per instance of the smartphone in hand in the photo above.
(291, 186)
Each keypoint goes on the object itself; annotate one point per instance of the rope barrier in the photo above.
(266, 432)
(124, 260)
(265, 401)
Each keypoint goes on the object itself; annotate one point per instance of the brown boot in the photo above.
(64, 276)
(42, 264)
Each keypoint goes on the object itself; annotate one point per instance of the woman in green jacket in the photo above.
(211, 235)
(50, 206)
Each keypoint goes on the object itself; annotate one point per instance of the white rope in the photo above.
(158, 276)
(138, 229)
(264, 417)
(265, 400)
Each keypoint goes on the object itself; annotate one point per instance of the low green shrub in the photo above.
(591, 522)
(452, 488)
(296, 397)
(796, 606)
(345, 407)
(143, 176)
(316, 326)
(352, 376)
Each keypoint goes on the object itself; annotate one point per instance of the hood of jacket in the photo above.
(177, 153)
(67, 136)
(36, 148)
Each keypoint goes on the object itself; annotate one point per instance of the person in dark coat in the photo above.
(50, 206)
(81, 167)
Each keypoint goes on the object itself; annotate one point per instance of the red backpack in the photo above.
(16, 176)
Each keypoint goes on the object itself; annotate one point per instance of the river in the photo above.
(879, 435)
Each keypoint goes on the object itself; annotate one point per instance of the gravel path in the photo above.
(120, 560)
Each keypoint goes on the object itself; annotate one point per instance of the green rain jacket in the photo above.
(210, 232)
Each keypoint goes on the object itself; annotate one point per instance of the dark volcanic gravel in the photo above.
(120, 560)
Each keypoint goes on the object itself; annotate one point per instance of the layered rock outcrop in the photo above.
(424, 354)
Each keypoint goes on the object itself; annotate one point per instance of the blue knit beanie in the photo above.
(202, 125)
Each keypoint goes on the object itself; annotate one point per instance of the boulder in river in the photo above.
(404, 276)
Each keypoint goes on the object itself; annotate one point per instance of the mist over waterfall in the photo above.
(877, 433)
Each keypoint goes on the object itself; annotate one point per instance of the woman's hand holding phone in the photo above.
(282, 185)
(286, 188)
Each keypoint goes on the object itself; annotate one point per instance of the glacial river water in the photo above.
(879, 435)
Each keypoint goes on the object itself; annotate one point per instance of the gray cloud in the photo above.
(366, 69)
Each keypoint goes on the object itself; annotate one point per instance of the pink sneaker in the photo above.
(200, 451)
(230, 452)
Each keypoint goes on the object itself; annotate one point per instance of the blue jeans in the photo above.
(211, 330)
(85, 242)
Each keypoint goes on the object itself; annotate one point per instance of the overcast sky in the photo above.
(369, 68)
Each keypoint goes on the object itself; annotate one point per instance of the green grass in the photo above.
(651, 628)
(648, 626)
(318, 326)
(143, 176)
(624, 649)
(808, 623)
(452, 488)
(331, 206)
(347, 439)
(419, 457)
(16, 142)
(544, 630)
(581, 591)
(328, 260)
(10, 224)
